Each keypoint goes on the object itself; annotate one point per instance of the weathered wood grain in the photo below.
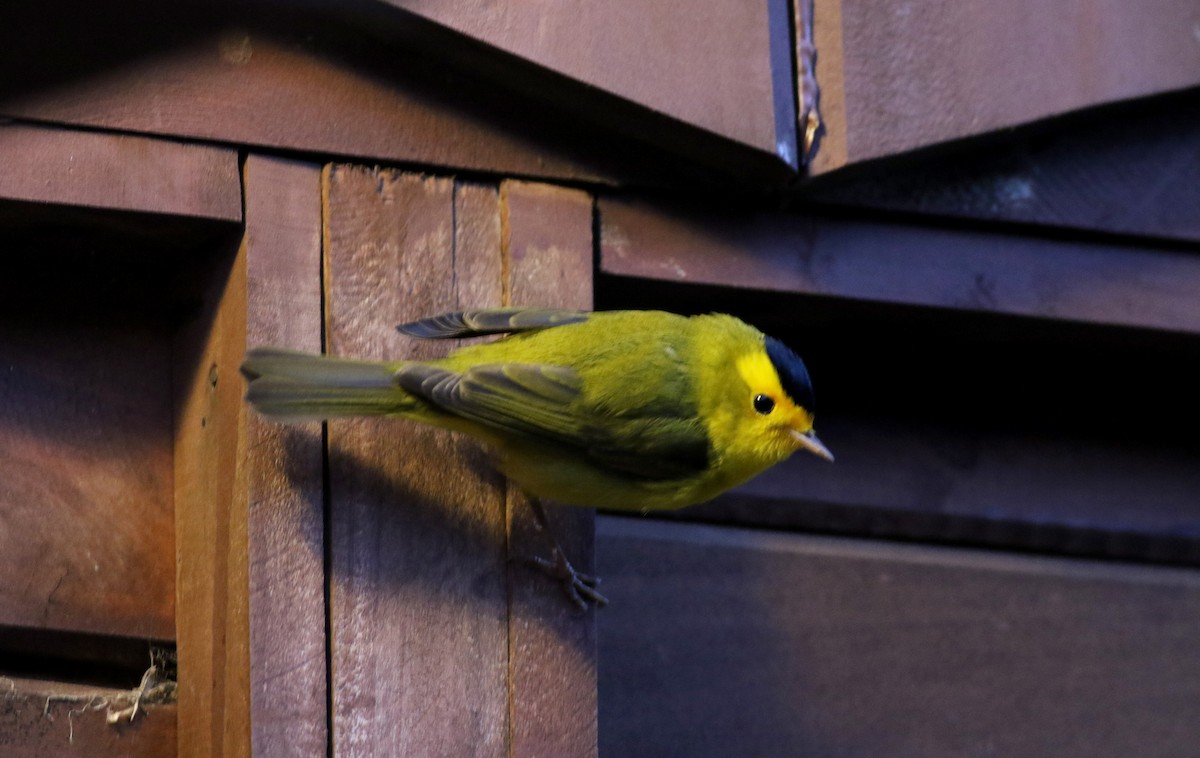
(1098, 282)
(40, 718)
(418, 605)
(212, 579)
(552, 651)
(897, 76)
(732, 642)
(286, 518)
(118, 172)
(716, 66)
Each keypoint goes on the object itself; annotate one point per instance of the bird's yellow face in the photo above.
(774, 421)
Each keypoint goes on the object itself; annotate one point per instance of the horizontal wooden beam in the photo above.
(734, 642)
(896, 76)
(117, 172)
(1129, 169)
(1105, 283)
(39, 717)
(342, 84)
(1065, 496)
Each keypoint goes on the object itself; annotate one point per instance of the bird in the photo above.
(633, 410)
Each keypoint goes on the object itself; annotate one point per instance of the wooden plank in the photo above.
(1089, 281)
(732, 642)
(286, 530)
(552, 652)
(65, 167)
(212, 577)
(307, 84)
(39, 718)
(898, 76)
(418, 603)
(1070, 495)
(86, 483)
(724, 67)
(1130, 169)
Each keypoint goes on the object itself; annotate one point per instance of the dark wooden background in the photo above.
(989, 262)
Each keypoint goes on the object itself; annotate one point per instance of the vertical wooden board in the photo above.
(417, 533)
(548, 249)
(478, 264)
(212, 625)
(753, 643)
(286, 532)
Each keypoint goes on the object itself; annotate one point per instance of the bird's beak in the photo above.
(808, 441)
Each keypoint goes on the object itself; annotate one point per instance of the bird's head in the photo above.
(779, 402)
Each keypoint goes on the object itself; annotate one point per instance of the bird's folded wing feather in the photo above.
(479, 323)
(546, 403)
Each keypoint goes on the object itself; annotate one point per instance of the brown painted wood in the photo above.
(1098, 282)
(67, 167)
(1131, 169)
(732, 642)
(418, 605)
(312, 86)
(86, 483)
(723, 67)
(40, 718)
(552, 650)
(286, 529)
(898, 76)
(212, 579)
(87, 448)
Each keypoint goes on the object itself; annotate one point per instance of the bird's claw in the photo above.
(580, 587)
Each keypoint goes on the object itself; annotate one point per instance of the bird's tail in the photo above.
(287, 385)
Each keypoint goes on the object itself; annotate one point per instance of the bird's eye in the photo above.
(763, 404)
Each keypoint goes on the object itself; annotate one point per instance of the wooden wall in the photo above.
(766, 643)
(999, 312)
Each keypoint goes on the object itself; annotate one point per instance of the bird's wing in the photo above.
(479, 323)
(522, 398)
(546, 403)
(653, 448)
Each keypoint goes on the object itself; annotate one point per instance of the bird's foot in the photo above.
(580, 587)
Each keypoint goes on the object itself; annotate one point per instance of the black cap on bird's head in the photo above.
(794, 380)
(793, 375)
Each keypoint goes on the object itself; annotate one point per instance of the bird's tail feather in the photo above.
(287, 385)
